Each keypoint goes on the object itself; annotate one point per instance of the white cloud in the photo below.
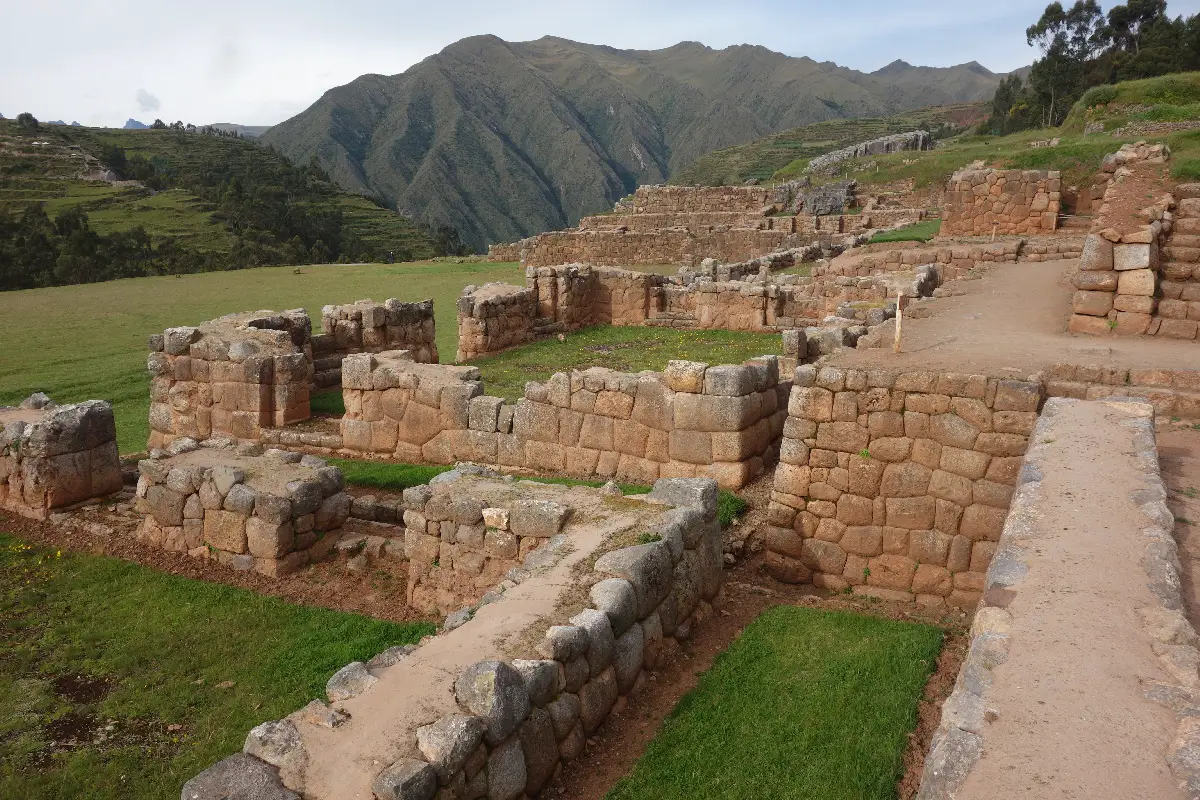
(260, 61)
(147, 101)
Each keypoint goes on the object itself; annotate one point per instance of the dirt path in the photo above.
(1179, 457)
(1070, 718)
(1013, 319)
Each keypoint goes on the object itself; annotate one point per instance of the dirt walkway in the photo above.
(1013, 320)
(1069, 717)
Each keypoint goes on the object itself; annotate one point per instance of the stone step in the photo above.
(1187, 191)
(1174, 252)
(1177, 270)
(1186, 225)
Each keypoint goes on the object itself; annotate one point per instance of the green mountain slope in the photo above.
(784, 155)
(194, 203)
(503, 140)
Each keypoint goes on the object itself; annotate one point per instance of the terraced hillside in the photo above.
(788, 152)
(203, 202)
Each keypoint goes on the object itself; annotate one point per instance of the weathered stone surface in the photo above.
(1140, 282)
(495, 692)
(601, 641)
(539, 518)
(239, 777)
(406, 779)
(564, 714)
(596, 699)
(648, 569)
(540, 749)
(349, 681)
(697, 492)
(279, 744)
(542, 679)
(615, 597)
(506, 771)
(564, 643)
(449, 742)
(627, 658)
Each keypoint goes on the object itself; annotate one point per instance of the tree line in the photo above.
(277, 212)
(1082, 47)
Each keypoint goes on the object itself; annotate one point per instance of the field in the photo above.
(53, 174)
(807, 704)
(82, 342)
(118, 682)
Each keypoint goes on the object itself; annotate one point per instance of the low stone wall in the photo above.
(508, 252)
(982, 201)
(54, 456)
(1030, 637)
(896, 486)
(700, 199)
(1172, 393)
(683, 246)
(954, 261)
(893, 143)
(692, 420)
(233, 376)
(492, 707)
(270, 513)
(370, 327)
(650, 222)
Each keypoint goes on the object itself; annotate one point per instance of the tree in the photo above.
(158, 124)
(27, 122)
(1069, 40)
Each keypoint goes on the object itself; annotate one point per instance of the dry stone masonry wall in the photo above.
(271, 513)
(370, 327)
(54, 456)
(981, 202)
(692, 420)
(894, 143)
(897, 485)
(494, 706)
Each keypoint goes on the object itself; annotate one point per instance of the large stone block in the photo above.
(1140, 282)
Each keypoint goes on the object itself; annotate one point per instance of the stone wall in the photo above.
(270, 513)
(1136, 273)
(492, 705)
(370, 327)
(684, 246)
(692, 420)
(893, 143)
(896, 485)
(233, 376)
(982, 201)
(54, 456)
(1140, 651)
(649, 222)
(700, 199)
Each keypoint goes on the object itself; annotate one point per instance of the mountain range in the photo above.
(505, 139)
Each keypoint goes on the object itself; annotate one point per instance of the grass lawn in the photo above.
(917, 232)
(627, 349)
(397, 477)
(807, 704)
(83, 342)
(171, 672)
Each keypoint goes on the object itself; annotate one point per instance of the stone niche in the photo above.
(271, 513)
(230, 377)
(54, 456)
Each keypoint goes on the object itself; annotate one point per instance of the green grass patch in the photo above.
(921, 231)
(626, 349)
(328, 402)
(161, 647)
(396, 477)
(89, 342)
(806, 704)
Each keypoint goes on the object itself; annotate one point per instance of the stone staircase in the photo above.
(1180, 254)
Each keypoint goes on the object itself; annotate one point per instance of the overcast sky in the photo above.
(258, 62)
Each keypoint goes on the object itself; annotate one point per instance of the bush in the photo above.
(1099, 96)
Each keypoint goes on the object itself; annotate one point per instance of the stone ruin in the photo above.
(241, 374)
(981, 202)
(512, 688)
(685, 225)
(893, 143)
(271, 512)
(53, 457)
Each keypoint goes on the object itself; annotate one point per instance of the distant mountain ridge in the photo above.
(503, 140)
(132, 124)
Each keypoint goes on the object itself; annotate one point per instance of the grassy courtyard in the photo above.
(807, 704)
(118, 682)
(83, 342)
